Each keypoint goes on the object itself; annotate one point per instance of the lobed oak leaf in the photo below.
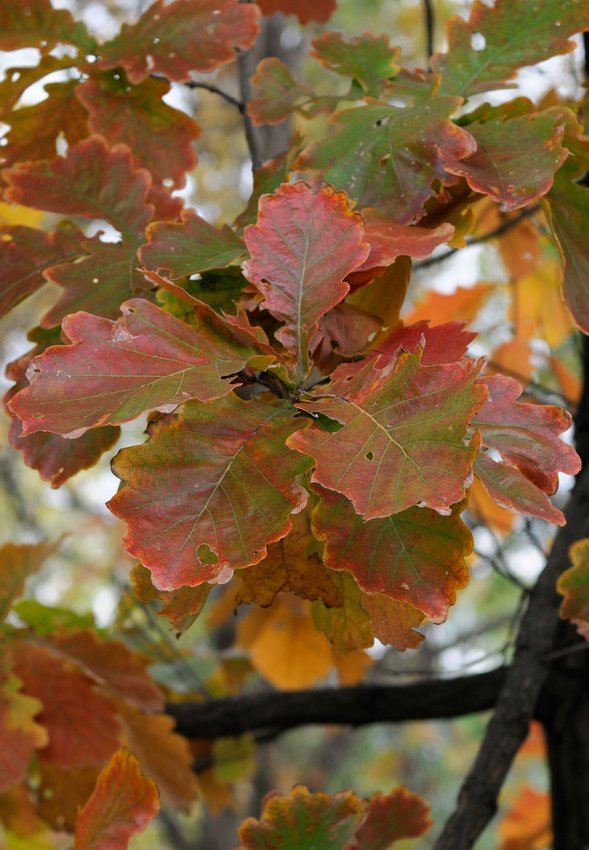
(391, 818)
(511, 489)
(573, 584)
(113, 371)
(290, 821)
(54, 457)
(164, 756)
(98, 282)
(34, 130)
(278, 93)
(17, 563)
(515, 33)
(347, 627)
(368, 59)
(20, 734)
(82, 724)
(160, 136)
(518, 152)
(180, 607)
(393, 622)
(40, 25)
(267, 180)
(92, 181)
(291, 565)
(402, 440)
(305, 10)
(304, 244)
(110, 664)
(220, 485)
(19, 78)
(567, 208)
(283, 644)
(176, 38)
(121, 805)
(191, 246)
(18, 812)
(526, 435)
(388, 157)
(417, 556)
(26, 253)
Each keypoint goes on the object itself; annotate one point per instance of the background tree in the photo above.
(328, 453)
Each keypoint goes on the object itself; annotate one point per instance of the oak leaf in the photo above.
(180, 607)
(390, 818)
(54, 457)
(190, 246)
(417, 556)
(289, 821)
(402, 440)
(347, 626)
(527, 824)
(160, 136)
(393, 622)
(40, 25)
(518, 152)
(515, 33)
(304, 244)
(176, 38)
(82, 724)
(63, 792)
(369, 60)
(121, 805)
(202, 519)
(388, 157)
(25, 253)
(283, 644)
(113, 371)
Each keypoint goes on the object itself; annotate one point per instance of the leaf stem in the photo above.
(428, 12)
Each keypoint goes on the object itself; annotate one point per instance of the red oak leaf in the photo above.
(186, 35)
(403, 437)
(304, 244)
(210, 490)
(113, 371)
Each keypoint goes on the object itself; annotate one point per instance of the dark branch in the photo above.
(278, 712)
(428, 12)
(234, 101)
(245, 66)
(504, 227)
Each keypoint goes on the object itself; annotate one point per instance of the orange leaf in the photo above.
(164, 756)
(17, 563)
(122, 804)
(284, 645)
(527, 825)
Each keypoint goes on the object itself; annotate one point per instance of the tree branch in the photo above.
(504, 227)
(428, 12)
(278, 712)
(245, 66)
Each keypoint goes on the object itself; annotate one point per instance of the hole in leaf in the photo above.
(369, 456)
(206, 554)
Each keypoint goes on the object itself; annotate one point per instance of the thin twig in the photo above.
(428, 12)
(199, 84)
(504, 227)
(245, 67)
